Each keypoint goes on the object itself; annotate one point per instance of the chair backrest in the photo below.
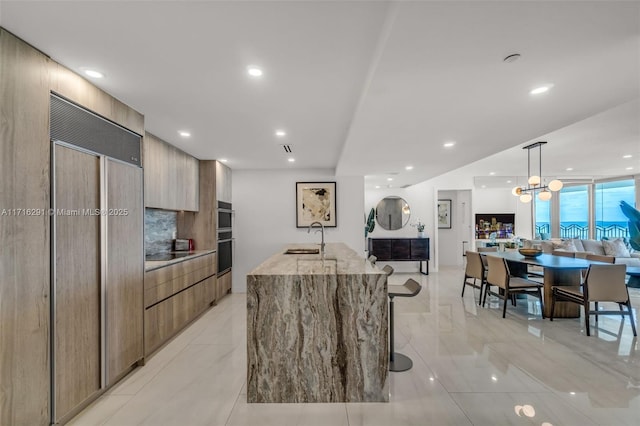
(372, 259)
(563, 253)
(413, 286)
(498, 271)
(601, 258)
(606, 283)
(475, 267)
(487, 249)
(388, 269)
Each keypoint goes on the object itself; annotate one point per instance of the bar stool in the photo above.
(388, 270)
(399, 362)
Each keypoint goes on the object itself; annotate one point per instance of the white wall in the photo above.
(265, 215)
(422, 199)
(450, 240)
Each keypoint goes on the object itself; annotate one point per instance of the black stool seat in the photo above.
(399, 362)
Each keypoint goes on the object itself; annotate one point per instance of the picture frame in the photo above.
(316, 201)
(444, 214)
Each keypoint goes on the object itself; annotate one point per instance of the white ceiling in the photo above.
(365, 87)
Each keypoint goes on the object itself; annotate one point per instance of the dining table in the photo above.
(557, 271)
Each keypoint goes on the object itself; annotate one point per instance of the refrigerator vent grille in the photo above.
(77, 126)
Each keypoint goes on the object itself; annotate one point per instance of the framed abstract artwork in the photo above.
(444, 214)
(316, 202)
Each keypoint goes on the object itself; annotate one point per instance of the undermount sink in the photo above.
(302, 251)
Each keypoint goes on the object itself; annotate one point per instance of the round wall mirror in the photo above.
(392, 213)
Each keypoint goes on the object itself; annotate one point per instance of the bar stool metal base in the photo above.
(400, 363)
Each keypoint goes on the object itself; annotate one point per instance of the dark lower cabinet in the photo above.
(401, 249)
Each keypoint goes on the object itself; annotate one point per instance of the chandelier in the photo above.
(526, 193)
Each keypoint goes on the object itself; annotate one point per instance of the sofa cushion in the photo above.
(629, 261)
(578, 243)
(593, 246)
(615, 248)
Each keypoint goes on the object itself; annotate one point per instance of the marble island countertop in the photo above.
(317, 328)
(178, 256)
(338, 259)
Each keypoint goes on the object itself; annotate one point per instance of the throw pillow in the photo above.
(569, 245)
(593, 246)
(615, 248)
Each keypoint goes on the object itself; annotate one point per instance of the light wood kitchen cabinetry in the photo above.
(26, 350)
(125, 271)
(77, 291)
(223, 182)
(171, 176)
(98, 275)
(175, 295)
(223, 286)
(25, 259)
(201, 226)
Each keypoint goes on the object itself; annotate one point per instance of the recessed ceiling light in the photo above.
(629, 168)
(377, 186)
(184, 133)
(541, 89)
(509, 181)
(254, 71)
(291, 159)
(627, 156)
(93, 73)
(569, 169)
(223, 160)
(409, 168)
(483, 186)
(492, 173)
(449, 144)
(389, 179)
(281, 133)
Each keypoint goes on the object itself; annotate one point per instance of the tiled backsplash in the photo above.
(159, 230)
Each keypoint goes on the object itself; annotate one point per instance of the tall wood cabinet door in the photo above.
(124, 268)
(76, 343)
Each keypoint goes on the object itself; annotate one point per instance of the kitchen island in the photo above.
(317, 328)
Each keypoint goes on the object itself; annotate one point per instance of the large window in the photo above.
(574, 212)
(543, 217)
(610, 222)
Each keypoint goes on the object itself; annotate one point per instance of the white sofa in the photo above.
(615, 247)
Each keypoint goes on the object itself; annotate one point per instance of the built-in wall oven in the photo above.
(225, 237)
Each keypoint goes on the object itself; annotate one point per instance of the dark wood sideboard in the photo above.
(401, 249)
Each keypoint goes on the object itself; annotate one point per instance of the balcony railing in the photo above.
(611, 231)
(582, 232)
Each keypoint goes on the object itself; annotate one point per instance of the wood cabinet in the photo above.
(170, 176)
(223, 182)
(175, 295)
(124, 269)
(77, 278)
(25, 259)
(401, 249)
(223, 286)
(28, 78)
(201, 226)
(98, 275)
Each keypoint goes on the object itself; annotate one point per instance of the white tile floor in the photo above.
(470, 367)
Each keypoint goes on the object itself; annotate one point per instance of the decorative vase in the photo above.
(422, 234)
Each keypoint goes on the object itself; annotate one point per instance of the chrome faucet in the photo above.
(322, 230)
